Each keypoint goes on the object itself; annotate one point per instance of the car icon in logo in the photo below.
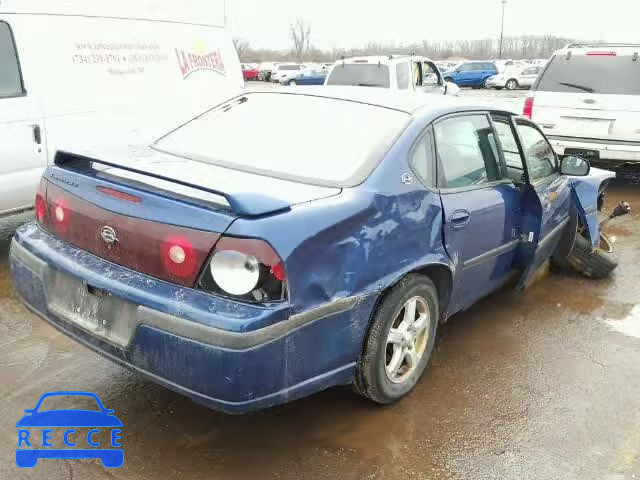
(29, 450)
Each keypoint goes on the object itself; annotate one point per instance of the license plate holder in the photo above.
(92, 309)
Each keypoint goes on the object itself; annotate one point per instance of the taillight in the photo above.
(179, 257)
(41, 203)
(41, 209)
(245, 268)
(61, 216)
(527, 111)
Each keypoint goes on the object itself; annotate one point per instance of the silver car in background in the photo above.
(514, 78)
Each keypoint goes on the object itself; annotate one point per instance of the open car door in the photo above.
(545, 194)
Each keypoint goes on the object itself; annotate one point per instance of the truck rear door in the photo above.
(595, 95)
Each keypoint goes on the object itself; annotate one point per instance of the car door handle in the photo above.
(460, 218)
(37, 134)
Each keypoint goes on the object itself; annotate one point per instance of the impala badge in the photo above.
(109, 235)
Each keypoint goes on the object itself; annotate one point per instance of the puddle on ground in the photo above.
(630, 325)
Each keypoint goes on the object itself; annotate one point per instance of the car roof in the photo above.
(405, 101)
(585, 48)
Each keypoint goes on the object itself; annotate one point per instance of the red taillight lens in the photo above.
(245, 268)
(41, 209)
(179, 257)
(527, 111)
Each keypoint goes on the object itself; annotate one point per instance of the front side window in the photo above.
(466, 151)
(402, 74)
(10, 79)
(539, 155)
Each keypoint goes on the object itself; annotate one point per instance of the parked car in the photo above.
(122, 69)
(306, 77)
(394, 72)
(286, 70)
(244, 281)
(265, 69)
(471, 74)
(514, 78)
(587, 100)
(249, 72)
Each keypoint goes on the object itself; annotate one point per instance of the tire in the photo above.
(371, 379)
(598, 263)
(511, 84)
(292, 83)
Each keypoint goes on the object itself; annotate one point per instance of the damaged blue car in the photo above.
(246, 281)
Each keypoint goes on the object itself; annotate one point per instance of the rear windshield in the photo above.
(616, 75)
(321, 141)
(360, 74)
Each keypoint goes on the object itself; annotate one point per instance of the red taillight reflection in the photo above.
(179, 257)
(527, 111)
(41, 209)
(278, 272)
(61, 216)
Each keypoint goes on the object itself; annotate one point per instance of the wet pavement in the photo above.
(543, 384)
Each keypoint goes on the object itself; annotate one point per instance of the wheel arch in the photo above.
(442, 277)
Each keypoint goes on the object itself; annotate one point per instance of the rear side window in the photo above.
(604, 74)
(466, 150)
(402, 73)
(10, 79)
(360, 74)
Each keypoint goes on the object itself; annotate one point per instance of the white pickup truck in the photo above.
(397, 72)
(72, 71)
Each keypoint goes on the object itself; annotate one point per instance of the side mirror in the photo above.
(574, 165)
(451, 88)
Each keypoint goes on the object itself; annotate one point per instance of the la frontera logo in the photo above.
(201, 60)
(67, 433)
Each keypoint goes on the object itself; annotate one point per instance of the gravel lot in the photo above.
(543, 384)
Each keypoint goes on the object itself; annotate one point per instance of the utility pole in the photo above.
(504, 2)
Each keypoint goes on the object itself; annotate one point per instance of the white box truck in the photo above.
(85, 71)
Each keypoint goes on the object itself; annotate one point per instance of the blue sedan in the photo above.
(306, 77)
(247, 281)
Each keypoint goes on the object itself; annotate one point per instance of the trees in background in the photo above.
(522, 47)
(300, 34)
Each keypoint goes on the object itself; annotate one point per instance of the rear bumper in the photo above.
(240, 358)
(608, 150)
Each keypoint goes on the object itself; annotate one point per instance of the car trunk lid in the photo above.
(165, 223)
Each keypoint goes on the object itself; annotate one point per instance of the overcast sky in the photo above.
(352, 23)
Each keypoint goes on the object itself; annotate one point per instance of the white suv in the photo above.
(391, 71)
(587, 101)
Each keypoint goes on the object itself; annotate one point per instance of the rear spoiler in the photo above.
(252, 204)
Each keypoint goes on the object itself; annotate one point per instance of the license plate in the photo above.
(91, 309)
(587, 154)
